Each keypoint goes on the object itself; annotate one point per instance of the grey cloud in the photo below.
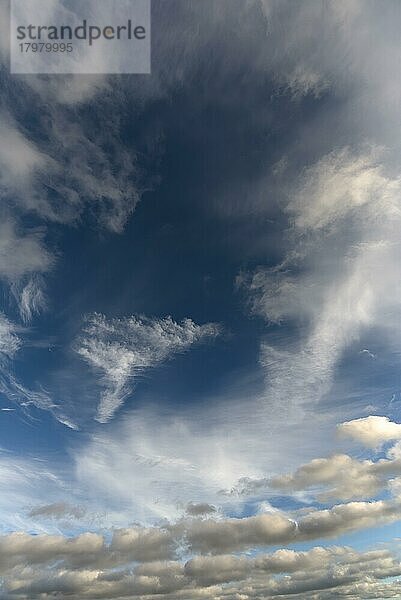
(144, 544)
(229, 535)
(198, 509)
(58, 510)
(219, 577)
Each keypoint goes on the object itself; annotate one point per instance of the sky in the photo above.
(200, 321)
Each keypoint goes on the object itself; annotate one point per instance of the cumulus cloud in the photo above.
(105, 574)
(339, 476)
(372, 431)
(338, 279)
(343, 476)
(206, 553)
(231, 535)
(122, 349)
(198, 509)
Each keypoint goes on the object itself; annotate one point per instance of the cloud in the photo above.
(9, 340)
(57, 510)
(372, 431)
(345, 477)
(24, 481)
(105, 574)
(19, 157)
(128, 469)
(335, 280)
(21, 254)
(30, 298)
(198, 509)
(232, 535)
(340, 476)
(69, 174)
(204, 554)
(122, 349)
(144, 545)
(11, 387)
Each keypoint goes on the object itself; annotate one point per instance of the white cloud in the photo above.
(21, 253)
(31, 298)
(11, 387)
(344, 476)
(24, 481)
(19, 157)
(372, 431)
(122, 349)
(341, 185)
(9, 340)
(336, 280)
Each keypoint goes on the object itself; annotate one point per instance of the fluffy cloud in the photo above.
(206, 554)
(197, 509)
(340, 476)
(371, 431)
(344, 476)
(335, 569)
(231, 535)
(122, 349)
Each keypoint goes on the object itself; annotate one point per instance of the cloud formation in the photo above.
(371, 431)
(122, 349)
(87, 567)
(205, 553)
(345, 206)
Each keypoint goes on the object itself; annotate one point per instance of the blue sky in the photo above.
(200, 321)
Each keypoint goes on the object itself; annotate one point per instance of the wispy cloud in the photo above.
(122, 349)
(10, 386)
(22, 253)
(337, 278)
(30, 298)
